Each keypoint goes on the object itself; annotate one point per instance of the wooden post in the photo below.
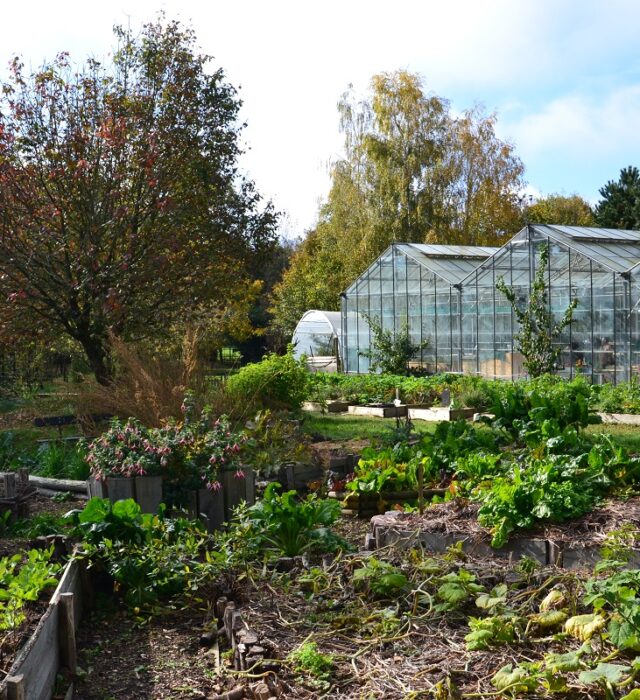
(15, 688)
(67, 632)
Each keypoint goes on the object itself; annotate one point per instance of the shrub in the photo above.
(278, 382)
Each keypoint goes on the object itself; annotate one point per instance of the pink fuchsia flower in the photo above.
(236, 447)
(239, 474)
(213, 460)
(214, 486)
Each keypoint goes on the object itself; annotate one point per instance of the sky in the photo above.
(563, 76)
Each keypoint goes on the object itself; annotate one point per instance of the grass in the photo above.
(335, 426)
(626, 435)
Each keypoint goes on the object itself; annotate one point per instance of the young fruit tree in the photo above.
(391, 350)
(539, 330)
(121, 207)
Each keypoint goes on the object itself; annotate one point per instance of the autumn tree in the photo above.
(620, 203)
(570, 210)
(411, 172)
(121, 208)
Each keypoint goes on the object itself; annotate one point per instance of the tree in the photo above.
(412, 172)
(121, 209)
(620, 203)
(538, 328)
(570, 210)
(391, 351)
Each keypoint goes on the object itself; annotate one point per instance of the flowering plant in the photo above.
(188, 454)
(127, 449)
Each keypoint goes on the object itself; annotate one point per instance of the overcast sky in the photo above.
(563, 75)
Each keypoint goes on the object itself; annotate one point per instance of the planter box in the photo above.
(235, 490)
(145, 490)
(330, 406)
(379, 411)
(119, 488)
(441, 413)
(297, 475)
(621, 418)
(148, 493)
(52, 644)
(209, 506)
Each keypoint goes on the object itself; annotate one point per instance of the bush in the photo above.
(278, 382)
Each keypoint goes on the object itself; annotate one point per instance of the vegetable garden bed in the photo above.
(576, 544)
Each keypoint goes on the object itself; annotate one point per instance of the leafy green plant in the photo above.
(149, 557)
(122, 521)
(22, 581)
(456, 588)
(308, 660)
(380, 578)
(292, 526)
(539, 330)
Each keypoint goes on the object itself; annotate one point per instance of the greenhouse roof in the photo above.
(616, 249)
(451, 262)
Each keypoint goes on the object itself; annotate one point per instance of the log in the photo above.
(58, 484)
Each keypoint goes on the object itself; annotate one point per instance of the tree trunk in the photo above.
(98, 358)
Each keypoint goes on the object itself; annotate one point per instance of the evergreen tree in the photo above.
(620, 204)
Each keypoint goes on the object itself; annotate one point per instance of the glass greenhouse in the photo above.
(447, 296)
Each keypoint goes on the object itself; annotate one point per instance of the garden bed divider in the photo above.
(379, 411)
(548, 552)
(441, 413)
(52, 645)
(620, 418)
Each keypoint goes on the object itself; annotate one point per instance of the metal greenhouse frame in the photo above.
(447, 295)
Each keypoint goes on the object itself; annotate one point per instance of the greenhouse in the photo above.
(446, 295)
(317, 338)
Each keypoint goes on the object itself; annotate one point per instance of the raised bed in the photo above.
(365, 505)
(620, 418)
(374, 411)
(213, 507)
(329, 406)
(52, 645)
(572, 545)
(441, 413)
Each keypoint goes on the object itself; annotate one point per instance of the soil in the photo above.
(461, 517)
(326, 449)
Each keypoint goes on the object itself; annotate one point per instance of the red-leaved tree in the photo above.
(121, 208)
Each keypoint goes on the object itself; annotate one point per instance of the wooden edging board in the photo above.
(52, 644)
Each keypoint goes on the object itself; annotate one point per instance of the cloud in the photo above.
(577, 125)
